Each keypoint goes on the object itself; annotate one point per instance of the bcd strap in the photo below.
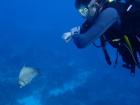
(129, 47)
(107, 57)
(128, 42)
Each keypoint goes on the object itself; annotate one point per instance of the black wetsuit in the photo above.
(129, 25)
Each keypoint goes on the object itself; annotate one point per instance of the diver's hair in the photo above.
(79, 3)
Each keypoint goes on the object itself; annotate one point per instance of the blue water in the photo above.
(30, 34)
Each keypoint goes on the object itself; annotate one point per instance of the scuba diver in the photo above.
(115, 22)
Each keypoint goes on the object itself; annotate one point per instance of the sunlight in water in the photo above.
(30, 100)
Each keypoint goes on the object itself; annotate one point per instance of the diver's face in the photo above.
(89, 11)
(92, 11)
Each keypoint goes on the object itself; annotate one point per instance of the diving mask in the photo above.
(89, 10)
(84, 11)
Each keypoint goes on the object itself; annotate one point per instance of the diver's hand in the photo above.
(67, 37)
(75, 30)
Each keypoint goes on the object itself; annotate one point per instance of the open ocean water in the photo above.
(30, 34)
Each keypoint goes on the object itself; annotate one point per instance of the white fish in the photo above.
(27, 74)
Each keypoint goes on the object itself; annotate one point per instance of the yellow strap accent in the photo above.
(129, 47)
(128, 42)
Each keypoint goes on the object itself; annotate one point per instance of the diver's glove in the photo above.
(68, 35)
(75, 30)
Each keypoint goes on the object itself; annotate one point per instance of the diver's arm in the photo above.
(85, 26)
(103, 22)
